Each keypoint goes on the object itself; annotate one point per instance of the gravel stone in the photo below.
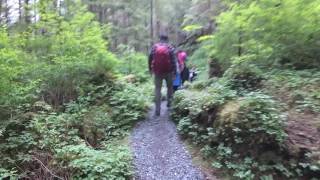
(158, 152)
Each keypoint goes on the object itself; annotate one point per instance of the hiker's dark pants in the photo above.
(158, 79)
(175, 88)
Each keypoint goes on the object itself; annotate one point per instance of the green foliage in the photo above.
(255, 114)
(196, 111)
(202, 84)
(77, 51)
(200, 59)
(299, 89)
(83, 139)
(62, 107)
(245, 132)
(133, 63)
(11, 66)
(244, 77)
(130, 103)
(63, 54)
(88, 163)
(229, 127)
(244, 129)
(233, 121)
(251, 38)
(4, 173)
(205, 38)
(192, 27)
(269, 32)
(126, 19)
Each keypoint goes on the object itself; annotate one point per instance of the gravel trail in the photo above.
(158, 152)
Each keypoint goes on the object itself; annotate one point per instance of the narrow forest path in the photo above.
(158, 152)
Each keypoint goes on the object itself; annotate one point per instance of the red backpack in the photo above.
(161, 63)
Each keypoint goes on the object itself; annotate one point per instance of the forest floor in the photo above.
(303, 133)
(302, 127)
(159, 153)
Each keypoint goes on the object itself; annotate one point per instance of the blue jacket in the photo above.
(177, 80)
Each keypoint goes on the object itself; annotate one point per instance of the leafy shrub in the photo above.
(200, 59)
(130, 103)
(64, 57)
(196, 111)
(78, 57)
(88, 163)
(231, 128)
(233, 119)
(11, 67)
(88, 125)
(252, 120)
(201, 84)
(298, 89)
(132, 62)
(269, 32)
(244, 77)
(60, 99)
(4, 173)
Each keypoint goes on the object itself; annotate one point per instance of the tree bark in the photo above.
(151, 22)
(210, 14)
(240, 38)
(157, 13)
(60, 7)
(6, 13)
(27, 11)
(100, 13)
(35, 9)
(240, 43)
(20, 10)
(55, 4)
(0, 12)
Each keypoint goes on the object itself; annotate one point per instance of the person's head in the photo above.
(164, 38)
(182, 56)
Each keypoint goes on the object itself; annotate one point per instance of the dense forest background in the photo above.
(74, 81)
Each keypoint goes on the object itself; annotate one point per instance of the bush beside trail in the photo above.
(245, 132)
(258, 112)
(84, 141)
(65, 111)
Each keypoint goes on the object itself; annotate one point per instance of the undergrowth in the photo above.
(84, 141)
(240, 126)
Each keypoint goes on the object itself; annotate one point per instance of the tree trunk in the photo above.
(0, 12)
(6, 13)
(55, 4)
(20, 10)
(100, 13)
(126, 25)
(151, 22)
(27, 11)
(158, 28)
(240, 43)
(35, 9)
(210, 14)
(157, 18)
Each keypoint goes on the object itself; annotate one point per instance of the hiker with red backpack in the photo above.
(162, 63)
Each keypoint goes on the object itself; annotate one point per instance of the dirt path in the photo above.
(158, 152)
